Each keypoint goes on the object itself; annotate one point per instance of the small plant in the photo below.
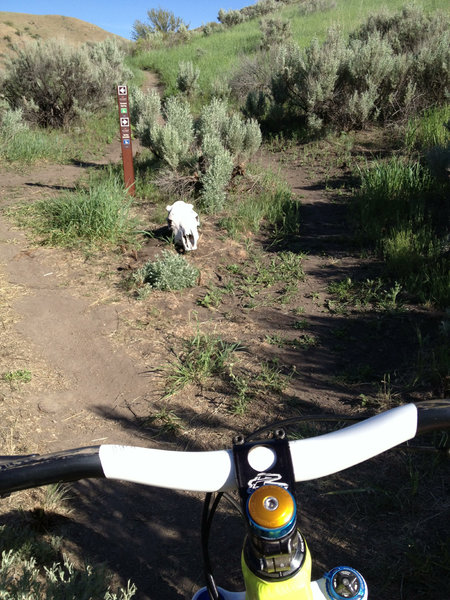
(212, 298)
(243, 396)
(203, 356)
(56, 498)
(306, 341)
(167, 420)
(19, 376)
(271, 377)
(32, 567)
(169, 272)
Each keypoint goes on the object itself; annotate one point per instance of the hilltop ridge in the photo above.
(16, 28)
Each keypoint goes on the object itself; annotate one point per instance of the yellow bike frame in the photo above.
(297, 587)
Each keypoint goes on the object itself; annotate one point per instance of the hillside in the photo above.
(17, 28)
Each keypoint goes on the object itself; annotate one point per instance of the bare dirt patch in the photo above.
(98, 357)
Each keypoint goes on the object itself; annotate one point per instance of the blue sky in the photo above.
(118, 16)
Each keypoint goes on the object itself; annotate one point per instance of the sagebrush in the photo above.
(388, 69)
(205, 150)
(54, 84)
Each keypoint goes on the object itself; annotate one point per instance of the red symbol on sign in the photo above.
(122, 90)
(124, 122)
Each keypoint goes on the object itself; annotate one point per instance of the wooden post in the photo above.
(125, 139)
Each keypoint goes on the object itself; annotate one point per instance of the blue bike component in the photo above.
(345, 582)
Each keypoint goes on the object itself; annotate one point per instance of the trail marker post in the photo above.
(125, 139)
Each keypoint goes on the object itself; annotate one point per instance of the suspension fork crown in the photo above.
(274, 549)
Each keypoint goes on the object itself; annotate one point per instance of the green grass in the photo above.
(402, 211)
(268, 204)
(203, 356)
(93, 215)
(371, 293)
(29, 146)
(261, 280)
(87, 139)
(428, 130)
(391, 194)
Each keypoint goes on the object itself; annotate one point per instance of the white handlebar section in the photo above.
(333, 452)
(214, 471)
(191, 471)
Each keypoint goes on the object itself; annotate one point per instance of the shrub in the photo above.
(145, 109)
(12, 124)
(220, 89)
(170, 272)
(187, 78)
(225, 140)
(172, 142)
(209, 151)
(240, 137)
(275, 31)
(211, 27)
(406, 31)
(384, 71)
(308, 7)
(54, 83)
(159, 21)
(217, 173)
(254, 75)
(230, 17)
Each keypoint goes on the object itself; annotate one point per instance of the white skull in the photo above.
(183, 221)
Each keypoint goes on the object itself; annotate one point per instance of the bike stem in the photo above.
(274, 548)
(276, 561)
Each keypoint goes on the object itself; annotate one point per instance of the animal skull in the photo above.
(184, 222)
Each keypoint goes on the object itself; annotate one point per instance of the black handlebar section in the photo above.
(433, 415)
(24, 472)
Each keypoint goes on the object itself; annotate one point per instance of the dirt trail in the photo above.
(94, 355)
(69, 332)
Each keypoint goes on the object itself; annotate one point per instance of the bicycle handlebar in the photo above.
(214, 470)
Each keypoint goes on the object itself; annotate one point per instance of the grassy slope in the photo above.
(219, 53)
